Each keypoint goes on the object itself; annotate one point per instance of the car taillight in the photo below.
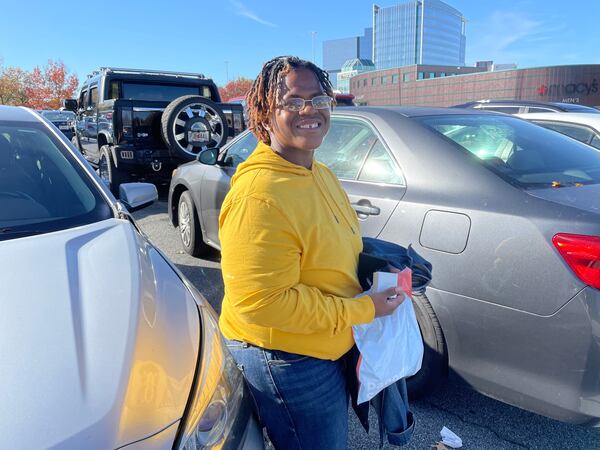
(582, 254)
(237, 122)
(126, 122)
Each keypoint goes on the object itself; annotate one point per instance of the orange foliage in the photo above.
(235, 88)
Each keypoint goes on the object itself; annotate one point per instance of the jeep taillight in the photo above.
(582, 254)
(126, 122)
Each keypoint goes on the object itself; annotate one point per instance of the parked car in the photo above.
(63, 120)
(103, 342)
(140, 124)
(506, 211)
(581, 126)
(527, 106)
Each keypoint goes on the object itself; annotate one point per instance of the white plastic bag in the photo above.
(390, 347)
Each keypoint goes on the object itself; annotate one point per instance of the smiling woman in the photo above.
(289, 252)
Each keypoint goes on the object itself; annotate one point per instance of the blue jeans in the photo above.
(300, 400)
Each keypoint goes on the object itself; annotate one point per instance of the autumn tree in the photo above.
(46, 88)
(12, 86)
(235, 88)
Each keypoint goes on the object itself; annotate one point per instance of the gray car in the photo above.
(507, 212)
(103, 343)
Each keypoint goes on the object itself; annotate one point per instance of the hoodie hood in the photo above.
(263, 157)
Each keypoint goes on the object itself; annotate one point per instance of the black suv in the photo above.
(526, 106)
(141, 124)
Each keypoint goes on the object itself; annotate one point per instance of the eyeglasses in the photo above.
(297, 104)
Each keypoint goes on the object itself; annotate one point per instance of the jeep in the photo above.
(141, 124)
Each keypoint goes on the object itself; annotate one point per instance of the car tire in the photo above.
(189, 227)
(434, 369)
(206, 117)
(112, 176)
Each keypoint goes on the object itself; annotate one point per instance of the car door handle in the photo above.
(367, 209)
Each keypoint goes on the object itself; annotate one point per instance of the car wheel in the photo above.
(112, 176)
(189, 227)
(192, 123)
(434, 369)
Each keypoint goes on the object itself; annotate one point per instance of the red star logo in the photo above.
(542, 90)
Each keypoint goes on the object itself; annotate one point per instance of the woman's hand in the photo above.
(384, 305)
(387, 301)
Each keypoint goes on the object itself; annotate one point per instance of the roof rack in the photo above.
(152, 72)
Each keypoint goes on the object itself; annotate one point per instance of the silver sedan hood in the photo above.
(98, 339)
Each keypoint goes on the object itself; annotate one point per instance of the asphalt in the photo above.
(481, 422)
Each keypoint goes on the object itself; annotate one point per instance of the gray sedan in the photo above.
(103, 343)
(507, 212)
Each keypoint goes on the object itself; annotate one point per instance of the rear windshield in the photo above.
(56, 116)
(521, 152)
(160, 92)
(42, 187)
(571, 107)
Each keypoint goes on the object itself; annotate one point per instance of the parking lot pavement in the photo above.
(481, 422)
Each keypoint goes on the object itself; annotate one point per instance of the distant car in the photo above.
(103, 342)
(506, 211)
(344, 99)
(527, 106)
(63, 120)
(584, 127)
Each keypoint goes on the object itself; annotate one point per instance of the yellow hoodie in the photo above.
(289, 251)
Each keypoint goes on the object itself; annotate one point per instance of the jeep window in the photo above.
(161, 92)
(42, 186)
(114, 90)
(82, 99)
(94, 96)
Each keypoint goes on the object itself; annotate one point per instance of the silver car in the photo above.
(103, 343)
(508, 213)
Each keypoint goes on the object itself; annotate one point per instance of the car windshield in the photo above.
(42, 187)
(520, 152)
(56, 116)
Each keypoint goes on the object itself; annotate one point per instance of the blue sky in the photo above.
(201, 35)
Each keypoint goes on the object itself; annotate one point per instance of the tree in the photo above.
(235, 88)
(12, 86)
(46, 88)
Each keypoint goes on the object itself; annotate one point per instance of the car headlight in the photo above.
(216, 394)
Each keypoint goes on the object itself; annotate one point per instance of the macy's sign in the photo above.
(569, 89)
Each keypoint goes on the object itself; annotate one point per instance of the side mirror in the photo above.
(209, 156)
(137, 195)
(70, 104)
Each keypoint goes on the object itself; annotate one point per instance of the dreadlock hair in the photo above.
(265, 94)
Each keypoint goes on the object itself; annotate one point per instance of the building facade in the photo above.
(418, 32)
(422, 85)
(337, 51)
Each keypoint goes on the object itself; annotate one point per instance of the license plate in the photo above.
(199, 136)
(64, 127)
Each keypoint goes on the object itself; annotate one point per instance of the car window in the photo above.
(42, 187)
(579, 132)
(94, 96)
(346, 147)
(535, 109)
(82, 99)
(56, 116)
(160, 92)
(502, 109)
(239, 151)
(521, 152)
(595, 141)
(380, 167)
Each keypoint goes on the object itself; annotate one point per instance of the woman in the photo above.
(290, 243)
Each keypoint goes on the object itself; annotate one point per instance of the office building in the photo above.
(427, 32)
(337, 51)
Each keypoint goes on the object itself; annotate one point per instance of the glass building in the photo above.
(418, 32)
(337, 51)
(351, 68)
